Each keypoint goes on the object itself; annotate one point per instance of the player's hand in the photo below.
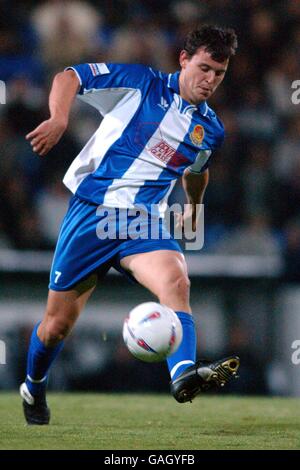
(188, 219)
(46, 135)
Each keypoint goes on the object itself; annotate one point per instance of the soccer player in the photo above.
(156, 128)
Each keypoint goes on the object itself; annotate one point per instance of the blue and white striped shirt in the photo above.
(147, 137)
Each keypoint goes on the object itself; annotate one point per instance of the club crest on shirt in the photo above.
(197, 134)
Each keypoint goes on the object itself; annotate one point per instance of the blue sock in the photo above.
(39, 360)
(185, 355)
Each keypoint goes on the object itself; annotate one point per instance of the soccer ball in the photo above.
(152, 332)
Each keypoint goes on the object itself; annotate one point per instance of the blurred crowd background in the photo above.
(252, 202)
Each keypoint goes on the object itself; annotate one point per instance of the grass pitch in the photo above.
(117, 421)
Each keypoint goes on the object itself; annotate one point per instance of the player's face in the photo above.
(200, 75)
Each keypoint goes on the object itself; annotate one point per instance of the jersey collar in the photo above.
(173, 83)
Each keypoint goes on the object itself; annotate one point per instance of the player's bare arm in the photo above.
(194, 185)
(64, 88)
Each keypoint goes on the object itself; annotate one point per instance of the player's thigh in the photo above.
(158, 270)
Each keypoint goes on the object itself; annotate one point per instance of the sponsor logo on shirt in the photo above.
(167, 154)
(163, 151)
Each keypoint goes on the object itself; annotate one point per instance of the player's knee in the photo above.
(54, 331)
(178, 286)
(183, 285)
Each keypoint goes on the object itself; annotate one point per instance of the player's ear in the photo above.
(183, 59)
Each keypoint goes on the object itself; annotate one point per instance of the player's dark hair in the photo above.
(221, 43)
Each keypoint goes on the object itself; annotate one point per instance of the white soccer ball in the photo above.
(152, 332)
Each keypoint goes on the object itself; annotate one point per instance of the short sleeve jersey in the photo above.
(148, 136)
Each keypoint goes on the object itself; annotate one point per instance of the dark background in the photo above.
(251, 204)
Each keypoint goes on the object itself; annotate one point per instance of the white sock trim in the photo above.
(176, 367)
(36, 381)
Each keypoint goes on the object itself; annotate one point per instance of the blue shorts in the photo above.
(93, 239)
